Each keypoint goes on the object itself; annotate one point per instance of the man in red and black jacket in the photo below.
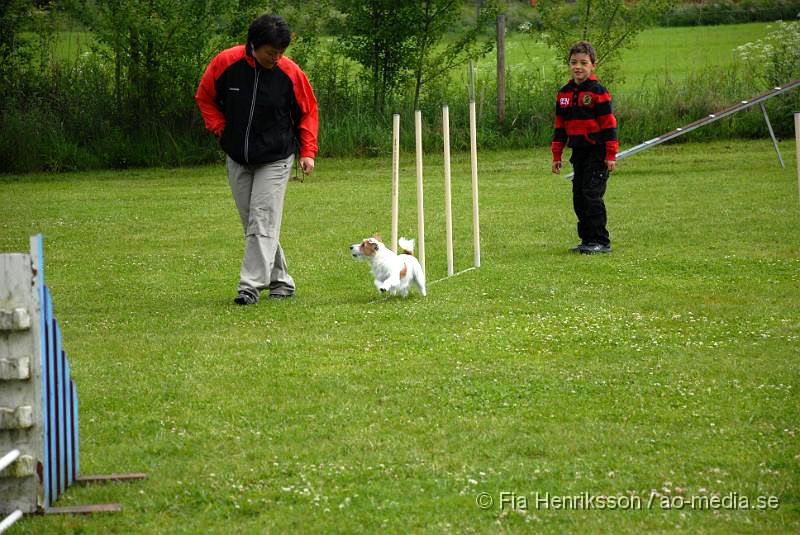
(261, 106)
(585, 123)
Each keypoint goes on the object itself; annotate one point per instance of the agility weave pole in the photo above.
(448, 201)
(473, 152)
(447, 187)
(38, 398)
(395, 177)
(420, 192)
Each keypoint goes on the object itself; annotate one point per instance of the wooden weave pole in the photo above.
(395, 177)
(448, 208)
(420, 193)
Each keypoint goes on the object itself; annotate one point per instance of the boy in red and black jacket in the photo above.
(586, 124)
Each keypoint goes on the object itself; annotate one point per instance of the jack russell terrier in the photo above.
(393, 272)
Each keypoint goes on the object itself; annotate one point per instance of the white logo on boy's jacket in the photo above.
(563, 102)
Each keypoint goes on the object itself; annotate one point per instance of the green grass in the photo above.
(670, 365)
(659, 53)
(676, 52)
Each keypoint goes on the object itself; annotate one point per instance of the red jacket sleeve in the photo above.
(206, 95)
(559, 132)
(309, 115)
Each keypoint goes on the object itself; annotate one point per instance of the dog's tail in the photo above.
(406, 246)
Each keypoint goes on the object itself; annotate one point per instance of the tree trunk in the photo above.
(501, 68)
(376, 82)
(417, 89)
(585, 34)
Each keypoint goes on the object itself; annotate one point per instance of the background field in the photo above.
(669, 366)
(659, 53)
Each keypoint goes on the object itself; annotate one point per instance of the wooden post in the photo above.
(473, 150)
(501, 68)
(448, 209)
(395, 178)
(420, 207)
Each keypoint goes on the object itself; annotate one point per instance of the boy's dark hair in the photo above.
(583, 47)
(269, 29)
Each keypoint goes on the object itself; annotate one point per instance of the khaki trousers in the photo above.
(258, 192)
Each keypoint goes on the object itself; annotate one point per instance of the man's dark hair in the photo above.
(269, 29)
(583, 47)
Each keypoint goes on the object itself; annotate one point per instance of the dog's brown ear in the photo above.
(377, 237)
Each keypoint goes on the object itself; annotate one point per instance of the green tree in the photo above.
(158, 49)
(378, 34)
(395, 39)
(433, 19)
(611, 25)
(307, 20)
(12, 15)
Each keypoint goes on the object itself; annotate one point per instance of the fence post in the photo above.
(501, 68)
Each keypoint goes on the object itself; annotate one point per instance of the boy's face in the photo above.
(581, 66)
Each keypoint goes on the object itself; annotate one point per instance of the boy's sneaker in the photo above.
(578, 248)
(595, 248)
(245, 298)
(281, 296)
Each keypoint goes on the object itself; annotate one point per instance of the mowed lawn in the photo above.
(666, 369)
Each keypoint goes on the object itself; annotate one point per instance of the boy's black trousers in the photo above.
(588, 188)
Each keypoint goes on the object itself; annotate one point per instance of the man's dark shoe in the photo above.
(245, 298)
(595, 248)
(281, 296)
(578, 248)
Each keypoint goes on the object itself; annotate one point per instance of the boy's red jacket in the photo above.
(584, 118)
(260, 115)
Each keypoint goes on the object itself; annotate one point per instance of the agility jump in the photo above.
(39, 441)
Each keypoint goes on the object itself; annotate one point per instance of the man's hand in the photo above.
(307, 165)
(557, 167)
(611, 165)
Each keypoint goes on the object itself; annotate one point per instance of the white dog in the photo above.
(393, 273)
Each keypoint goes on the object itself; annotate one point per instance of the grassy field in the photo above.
(659, 52)
(668, 368)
